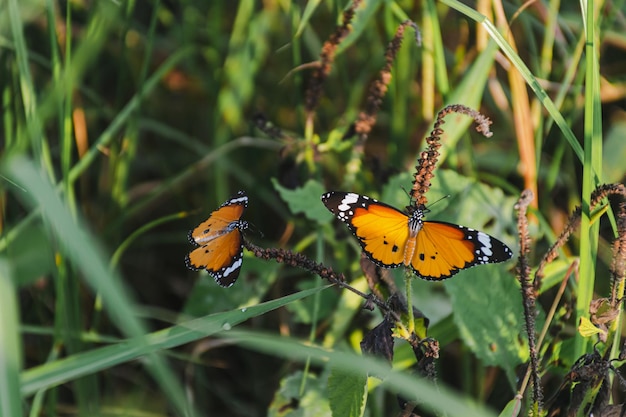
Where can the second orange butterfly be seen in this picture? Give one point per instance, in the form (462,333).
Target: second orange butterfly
(220,241)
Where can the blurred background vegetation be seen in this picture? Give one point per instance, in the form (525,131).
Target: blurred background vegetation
(144,118)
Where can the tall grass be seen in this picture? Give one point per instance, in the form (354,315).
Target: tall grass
(125,124)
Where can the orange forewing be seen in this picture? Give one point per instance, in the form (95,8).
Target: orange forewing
(217,224)
(218,254)
(383,232)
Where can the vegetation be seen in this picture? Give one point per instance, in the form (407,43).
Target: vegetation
(125,124)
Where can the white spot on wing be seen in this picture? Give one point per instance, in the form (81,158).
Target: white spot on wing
(486,247)
(232,268)
(348,201)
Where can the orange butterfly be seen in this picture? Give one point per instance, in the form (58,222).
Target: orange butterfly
(390,238)
(221,242)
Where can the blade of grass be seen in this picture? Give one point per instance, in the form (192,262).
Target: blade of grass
(67,320)
(123,116)
(34,124)
(592,166)
(524,71)
(119,189)
(66,369)
(97,308)
(10,346)
(469,92)
(434,397)
(105,138)
(520,104)
(82,250)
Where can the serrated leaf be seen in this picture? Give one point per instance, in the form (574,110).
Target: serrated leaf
(306,200)
(487,306)
(288,403)
(347,393)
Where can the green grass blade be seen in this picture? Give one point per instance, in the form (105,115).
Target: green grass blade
(116,125)
(81,249)
(10,346)
(592,164)
(431,396)
(66,369)
(524,71)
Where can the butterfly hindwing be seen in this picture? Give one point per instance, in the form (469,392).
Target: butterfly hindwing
(221,242)
(443,249)
(382,230)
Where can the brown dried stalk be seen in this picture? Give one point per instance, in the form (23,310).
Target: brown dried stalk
(378,88)
(428,158)
(600,193)
(528,293)
(327,57)
(618,266)
(299,260)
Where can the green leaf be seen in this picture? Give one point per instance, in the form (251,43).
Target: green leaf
(31,255)
(347,393)
(305,200)
(289,402)
(512,409)
(487,306)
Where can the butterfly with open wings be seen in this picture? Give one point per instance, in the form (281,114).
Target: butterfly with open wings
(390,238)
(220,242)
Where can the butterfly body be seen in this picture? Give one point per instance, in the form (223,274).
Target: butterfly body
(220,242)
(390,238)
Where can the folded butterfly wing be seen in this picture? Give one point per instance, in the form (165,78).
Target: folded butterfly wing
(221,242)
(221,257)
(383,233)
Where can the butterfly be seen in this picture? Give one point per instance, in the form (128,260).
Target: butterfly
(221,242)
(390,238)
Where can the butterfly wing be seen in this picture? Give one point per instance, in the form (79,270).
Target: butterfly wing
(221,257)
(220,221)
(221,242)
(382,230)
(443,249)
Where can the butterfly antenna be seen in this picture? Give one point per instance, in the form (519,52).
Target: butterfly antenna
(441,199)
(252,227)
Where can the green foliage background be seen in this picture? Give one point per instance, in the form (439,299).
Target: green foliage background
(124,124)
